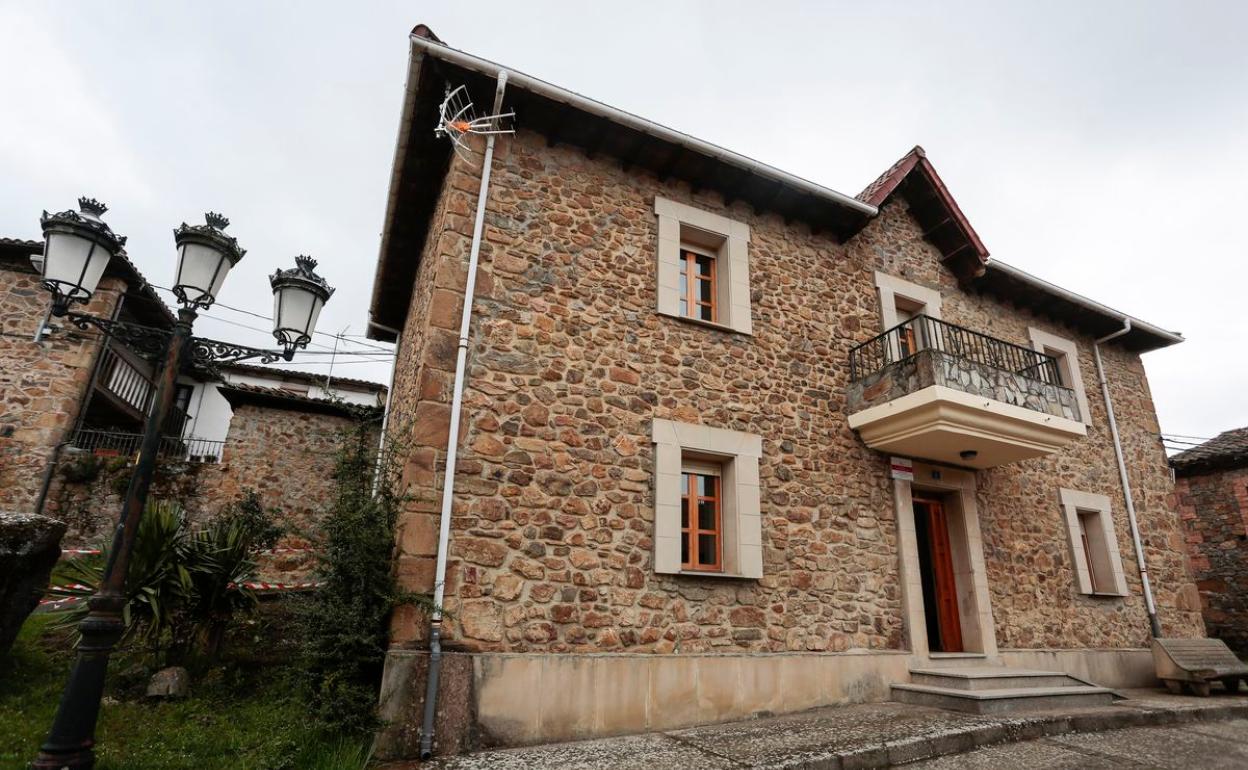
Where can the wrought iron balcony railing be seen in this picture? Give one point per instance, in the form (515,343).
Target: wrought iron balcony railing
(922,332)
(194,450)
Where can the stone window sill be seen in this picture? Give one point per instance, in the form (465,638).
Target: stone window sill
(1104,595)
(708,324)
(709,574)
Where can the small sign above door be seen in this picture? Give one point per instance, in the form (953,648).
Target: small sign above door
(902,468)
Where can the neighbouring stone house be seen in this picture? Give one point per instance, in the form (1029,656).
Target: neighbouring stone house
(732,442)
(1211,485)
(74,404)
(280,439)
(48,386)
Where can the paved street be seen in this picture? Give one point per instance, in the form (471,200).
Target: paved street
(1207,746)
(1148,728)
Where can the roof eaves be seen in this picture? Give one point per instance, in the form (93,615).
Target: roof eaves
(431,45)
(290,374)
(1170,337)
(239,393)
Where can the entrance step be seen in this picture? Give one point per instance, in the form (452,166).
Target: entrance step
(998,690)
(989,678)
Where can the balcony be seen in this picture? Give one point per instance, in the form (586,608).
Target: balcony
(935,391)
(108,443)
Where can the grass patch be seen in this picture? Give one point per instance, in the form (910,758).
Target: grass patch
(245,713)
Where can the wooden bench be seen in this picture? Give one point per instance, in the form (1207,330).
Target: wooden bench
(1195,663)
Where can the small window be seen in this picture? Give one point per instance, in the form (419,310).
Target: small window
(1093,544)
(701,521)
(703,267)
(1066,374)
(697,286)
(1087,520)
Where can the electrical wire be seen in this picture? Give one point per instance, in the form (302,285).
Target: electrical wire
(269,318)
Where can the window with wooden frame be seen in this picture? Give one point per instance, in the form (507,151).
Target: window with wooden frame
(697,286)
(1093,543)
(703,267)
(701,518)
(1087,520)
(707,501)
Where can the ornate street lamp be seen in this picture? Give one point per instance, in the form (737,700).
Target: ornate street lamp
(298,296)
(78,248)
(205,256)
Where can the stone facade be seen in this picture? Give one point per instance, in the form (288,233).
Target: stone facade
(1214,509)
(41,385)
(569,362)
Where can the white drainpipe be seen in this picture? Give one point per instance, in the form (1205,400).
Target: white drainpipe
(1153,623)
(452,441)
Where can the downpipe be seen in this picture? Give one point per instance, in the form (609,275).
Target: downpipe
(1153,623)
(452,442)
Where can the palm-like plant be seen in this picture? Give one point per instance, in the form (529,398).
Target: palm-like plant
(182,587)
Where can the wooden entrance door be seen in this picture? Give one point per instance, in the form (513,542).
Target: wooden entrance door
(940,589)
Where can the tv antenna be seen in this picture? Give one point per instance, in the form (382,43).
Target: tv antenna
(456,120)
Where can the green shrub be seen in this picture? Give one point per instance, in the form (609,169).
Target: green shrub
(346,621)
(253,517)
(81,469)
(183,586)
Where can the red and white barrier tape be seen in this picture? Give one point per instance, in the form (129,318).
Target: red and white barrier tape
(265,552)
(255,585)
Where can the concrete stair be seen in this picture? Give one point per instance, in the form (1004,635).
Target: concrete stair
(997,690)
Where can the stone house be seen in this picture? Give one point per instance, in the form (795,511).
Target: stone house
(50,389)
(732,442)
(1211,486)
(74,403)
(280,435)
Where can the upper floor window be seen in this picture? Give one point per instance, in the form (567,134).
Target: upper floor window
(1068,374)
(697,286)
(703,266)
(902,301)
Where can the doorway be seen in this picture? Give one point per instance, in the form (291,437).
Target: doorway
(937,576)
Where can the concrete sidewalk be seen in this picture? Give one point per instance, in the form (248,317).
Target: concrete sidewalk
(869,735)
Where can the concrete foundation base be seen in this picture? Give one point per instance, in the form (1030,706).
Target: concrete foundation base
(498,699)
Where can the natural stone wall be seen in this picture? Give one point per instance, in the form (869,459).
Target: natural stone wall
(931,367)
(41,385)
(1214,510)
(569,362)
(286,456)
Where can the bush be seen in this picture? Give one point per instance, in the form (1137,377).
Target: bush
(81,469)
(183,586)
(346,621)
(254,518)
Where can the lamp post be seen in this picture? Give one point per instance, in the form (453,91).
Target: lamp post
(77,250)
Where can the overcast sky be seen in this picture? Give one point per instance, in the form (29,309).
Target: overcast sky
(1101,146)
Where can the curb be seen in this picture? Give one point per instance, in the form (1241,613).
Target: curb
(909,750)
